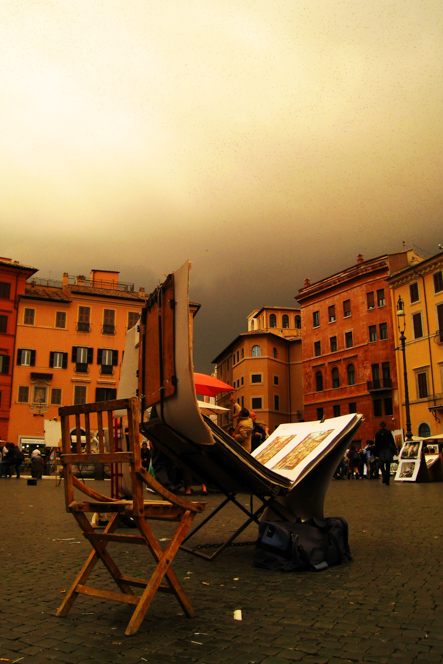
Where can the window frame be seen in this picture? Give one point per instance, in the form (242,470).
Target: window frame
(316,319)
(417,325)
(373,337)
(59,317)
(28,316)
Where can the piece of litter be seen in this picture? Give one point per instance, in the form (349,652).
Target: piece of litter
(237,614)
(187,577)
(116,643)
(197,642)
(17,660)
(236,578)
(205,583)
(164,539)
(63,539)
(200,634)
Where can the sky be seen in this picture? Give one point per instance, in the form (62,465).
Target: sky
(266,141)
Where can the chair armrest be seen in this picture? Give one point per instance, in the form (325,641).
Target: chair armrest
(167,495)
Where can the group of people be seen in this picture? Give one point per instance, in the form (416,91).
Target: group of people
(370,461)
(12,458)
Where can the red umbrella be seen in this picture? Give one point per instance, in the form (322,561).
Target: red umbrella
(210,386)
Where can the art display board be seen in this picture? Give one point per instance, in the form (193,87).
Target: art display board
(412,466)
(53,433)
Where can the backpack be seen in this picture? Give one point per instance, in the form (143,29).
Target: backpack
(312,545)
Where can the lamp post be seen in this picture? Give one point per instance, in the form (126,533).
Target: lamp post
(401,320)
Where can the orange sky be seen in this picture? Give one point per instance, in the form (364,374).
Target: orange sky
(266,141)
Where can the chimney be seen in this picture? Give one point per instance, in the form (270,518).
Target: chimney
(360,259)
(80,280)
(307,282)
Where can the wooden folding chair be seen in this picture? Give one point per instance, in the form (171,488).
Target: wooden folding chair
(171,509)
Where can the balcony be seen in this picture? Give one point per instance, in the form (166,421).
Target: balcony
(379,384)
(83,327)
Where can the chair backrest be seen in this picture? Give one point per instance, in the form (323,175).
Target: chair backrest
(97,420)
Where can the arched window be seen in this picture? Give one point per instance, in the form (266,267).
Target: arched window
(297,322)
(274,352)
(256,351)
(351,374)
(424,430)
(285,321)
(319,381)
(272,320)
(335,378)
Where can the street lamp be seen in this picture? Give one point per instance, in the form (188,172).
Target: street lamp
(401,320)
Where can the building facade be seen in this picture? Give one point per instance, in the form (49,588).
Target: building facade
(349,362)
(420,288)
(13,278)
(264,366)
(69,346)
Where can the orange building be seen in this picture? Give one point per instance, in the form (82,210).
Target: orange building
(264,366)
(349,362)
(420,288)
(13,278)
(69,346)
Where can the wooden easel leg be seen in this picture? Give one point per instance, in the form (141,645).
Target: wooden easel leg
(164,560)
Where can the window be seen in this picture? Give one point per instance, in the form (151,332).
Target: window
(274,352)
(319,381)
(29,316)
(82,356)
(348,340)
(440,320)
(60,319)
(352,407)
(333,342)
(383,327)
(346,308)
(238,356)
(56,396)
(26,357)
(256,378)
(335,378)
(108,359)
(381,302)
(438,282)
(227,364)
(413,292)
(133,317)
(424,430)
(256,351)
(386,372)
(388,406)
(336,411)
(4,364)
(23,394)
(275,380)
(79,394)
(105,394)
(58,360)
(350,370)
(272,320)
(83,324)
(316,318)
(256,403)
(422,385)
(320,413)
(242,380)
(285,323)
(370,300)
(5,290)
(297,322)
(317,348)
(375,368)
(378,408)
(372,333)
(243,352)
(109,321)
(331,314)
(3,324)
(417,325)
(276,402)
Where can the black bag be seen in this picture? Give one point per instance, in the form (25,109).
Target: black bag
(313,545)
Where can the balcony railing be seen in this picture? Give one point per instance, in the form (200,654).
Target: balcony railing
(379,384)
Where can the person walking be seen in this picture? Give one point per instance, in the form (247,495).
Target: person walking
(384,451)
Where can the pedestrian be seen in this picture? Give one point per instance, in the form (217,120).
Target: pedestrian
(145,454)
(243,428)
(258,432)
(384,451)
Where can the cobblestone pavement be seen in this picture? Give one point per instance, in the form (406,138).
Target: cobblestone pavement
(386,605)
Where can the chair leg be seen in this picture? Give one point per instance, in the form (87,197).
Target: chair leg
(99,553)
(164,559)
